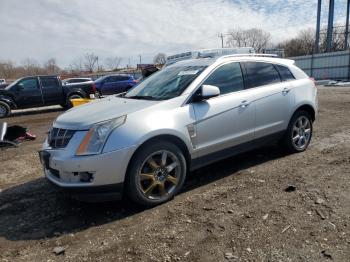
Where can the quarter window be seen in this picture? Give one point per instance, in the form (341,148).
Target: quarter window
(285,73)
(228,78)
(259,74)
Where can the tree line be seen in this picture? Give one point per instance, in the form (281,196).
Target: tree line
(302,44)
(87,63)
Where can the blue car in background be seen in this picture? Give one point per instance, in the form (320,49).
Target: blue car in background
(114,84)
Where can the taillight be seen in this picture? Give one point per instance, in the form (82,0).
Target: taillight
(313,80)
(94,88)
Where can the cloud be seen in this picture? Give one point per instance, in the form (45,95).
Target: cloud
(66,29)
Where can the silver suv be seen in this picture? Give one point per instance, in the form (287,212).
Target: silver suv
(186,116)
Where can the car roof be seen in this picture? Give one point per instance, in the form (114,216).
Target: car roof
(77,78)
(258,58)
(118,75)
(238,58)
(194,62)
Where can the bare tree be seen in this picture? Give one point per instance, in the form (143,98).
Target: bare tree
(160,59)
(254,37)
(51,67)
(338,39)
(302,44)
(77,65)
(91,62)
(7,69)
(32,67)
(113,63)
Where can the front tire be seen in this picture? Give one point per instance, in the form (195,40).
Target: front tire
(5,109)
(156,173)
(299,132)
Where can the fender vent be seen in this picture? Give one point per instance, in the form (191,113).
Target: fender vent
(59,138)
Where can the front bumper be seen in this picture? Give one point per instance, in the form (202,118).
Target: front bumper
(94,193)
(101,174)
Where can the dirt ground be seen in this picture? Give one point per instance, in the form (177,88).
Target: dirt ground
(234,210)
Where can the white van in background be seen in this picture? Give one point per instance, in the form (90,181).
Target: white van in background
(216,52)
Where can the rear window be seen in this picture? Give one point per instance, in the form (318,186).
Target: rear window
(47,82)
(285,73)
(259,74)
(123,78)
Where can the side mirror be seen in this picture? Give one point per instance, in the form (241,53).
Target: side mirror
(20,86)
(206,92)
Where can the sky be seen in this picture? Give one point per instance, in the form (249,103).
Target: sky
(68,29)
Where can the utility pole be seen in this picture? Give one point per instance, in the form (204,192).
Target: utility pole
(347,25)
(330,26)
(140,59)
(317,41)
(222,39)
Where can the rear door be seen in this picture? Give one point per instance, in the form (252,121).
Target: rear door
(226,120)
(124,84)
(110,85)
(274,97)
(28,93)
(52,90)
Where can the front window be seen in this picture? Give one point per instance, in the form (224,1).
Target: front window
(29,84)
(228,78)
(166,84)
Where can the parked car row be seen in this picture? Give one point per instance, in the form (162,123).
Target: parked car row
(37,91)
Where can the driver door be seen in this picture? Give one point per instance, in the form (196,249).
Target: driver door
(28,93)
(227,120)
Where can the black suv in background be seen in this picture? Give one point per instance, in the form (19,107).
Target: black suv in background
(37,91)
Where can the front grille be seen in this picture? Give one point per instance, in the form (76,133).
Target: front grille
(59,138)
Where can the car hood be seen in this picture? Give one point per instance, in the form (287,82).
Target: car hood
(82,117)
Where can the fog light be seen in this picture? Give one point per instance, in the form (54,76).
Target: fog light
(85,177)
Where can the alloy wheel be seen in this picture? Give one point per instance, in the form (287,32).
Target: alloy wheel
(301,132)
(159,175)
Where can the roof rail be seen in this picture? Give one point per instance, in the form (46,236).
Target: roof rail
(238,55)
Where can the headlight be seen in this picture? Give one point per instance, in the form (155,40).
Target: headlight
(97,135)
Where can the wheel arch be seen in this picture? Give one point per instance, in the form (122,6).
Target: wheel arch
(308,108)
(169,138)
(8,100)
(76,92)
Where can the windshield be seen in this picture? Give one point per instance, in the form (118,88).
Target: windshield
(100,79)
(12,84)
(166,84)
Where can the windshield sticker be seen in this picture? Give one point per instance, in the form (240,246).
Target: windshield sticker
(189,72)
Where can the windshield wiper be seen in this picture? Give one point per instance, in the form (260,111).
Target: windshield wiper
(141,97)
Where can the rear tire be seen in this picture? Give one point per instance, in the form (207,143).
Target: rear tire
(156,173)
(299,132)
(5,109)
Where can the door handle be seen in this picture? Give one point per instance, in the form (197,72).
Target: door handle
(244,104)
(285,90)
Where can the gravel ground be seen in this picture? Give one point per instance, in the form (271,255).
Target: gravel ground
(260,206)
